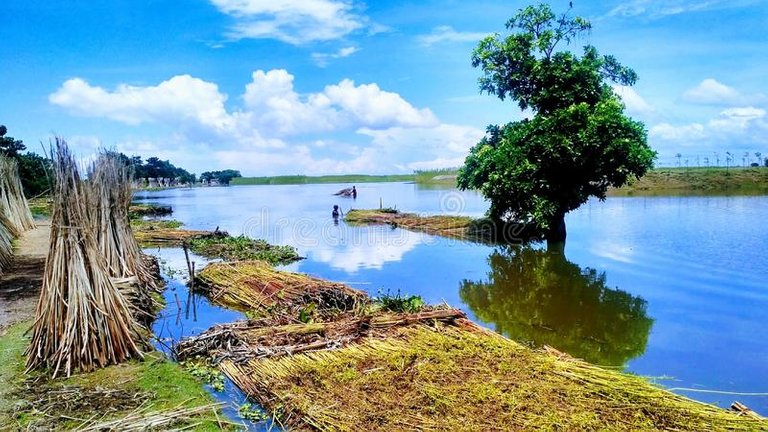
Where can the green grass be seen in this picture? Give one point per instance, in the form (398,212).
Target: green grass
(36,402)
(659,181)
(699,181)
(243,248)
(161,224)
(302,179)
(445,176)
(41,206)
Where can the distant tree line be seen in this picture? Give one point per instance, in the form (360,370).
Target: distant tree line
(36,171)
(155,168)
(223,177)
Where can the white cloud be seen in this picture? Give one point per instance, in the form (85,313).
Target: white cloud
(322,59)
(448,34)
(273,104)
(665,8)
(291,21)
(275,130)
(178,99)
(372,251)
(376,108)
(712,92)
(633,101)
(687,133)
(743,126)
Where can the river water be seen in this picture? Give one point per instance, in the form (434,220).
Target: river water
(672,288)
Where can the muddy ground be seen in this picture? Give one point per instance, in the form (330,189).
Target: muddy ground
(20,285)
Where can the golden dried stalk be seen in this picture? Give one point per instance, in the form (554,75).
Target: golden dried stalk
(15,217)
(82,321)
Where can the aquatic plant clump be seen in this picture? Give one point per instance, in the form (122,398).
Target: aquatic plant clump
(82,321)
(243,248)
(453,379)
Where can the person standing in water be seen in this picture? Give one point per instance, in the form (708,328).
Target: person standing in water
(354,193)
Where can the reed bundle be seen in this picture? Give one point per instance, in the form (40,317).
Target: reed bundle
(451,379)
(158,235)
(246,340)
(255,285)
(6,245)
(82,321)
(12,202)
(109,197)
(15,217)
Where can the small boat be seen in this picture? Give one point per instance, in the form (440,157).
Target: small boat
(348,192)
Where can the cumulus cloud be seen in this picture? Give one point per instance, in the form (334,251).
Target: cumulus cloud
(272,104)
(744,125)
(322,59)
(178,99)
(292,21)
(273,128)
(442,34)
(665,8)
(635,103)
(712,92)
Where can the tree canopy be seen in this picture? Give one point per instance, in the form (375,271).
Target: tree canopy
(578,141)
(223,177)
(34,170)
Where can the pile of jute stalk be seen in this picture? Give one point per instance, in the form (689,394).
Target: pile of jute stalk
(83,322)
(15,217)
(109,196)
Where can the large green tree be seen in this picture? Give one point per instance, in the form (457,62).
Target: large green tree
(577,142)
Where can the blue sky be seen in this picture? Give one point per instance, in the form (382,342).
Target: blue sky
(341,86)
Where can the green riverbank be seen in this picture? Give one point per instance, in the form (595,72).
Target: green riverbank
(662,181)
(302,179)
(153,391)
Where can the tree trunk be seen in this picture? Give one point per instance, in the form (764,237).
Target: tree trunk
(556,233)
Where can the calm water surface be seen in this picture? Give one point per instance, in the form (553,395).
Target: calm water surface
(670,288)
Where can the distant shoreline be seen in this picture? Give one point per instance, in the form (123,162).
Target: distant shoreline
(658,182)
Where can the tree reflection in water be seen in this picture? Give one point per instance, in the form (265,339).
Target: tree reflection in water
(536,296)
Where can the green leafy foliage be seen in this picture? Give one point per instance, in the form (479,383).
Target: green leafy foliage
(578,142)
(306,313)
(252,412)
(399,303)
(153,167)
(205,373)
(223,177)
(243,248)
(35,171)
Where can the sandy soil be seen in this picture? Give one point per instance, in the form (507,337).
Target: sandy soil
(20,286)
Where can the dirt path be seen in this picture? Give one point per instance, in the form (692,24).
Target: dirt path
(20,286)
